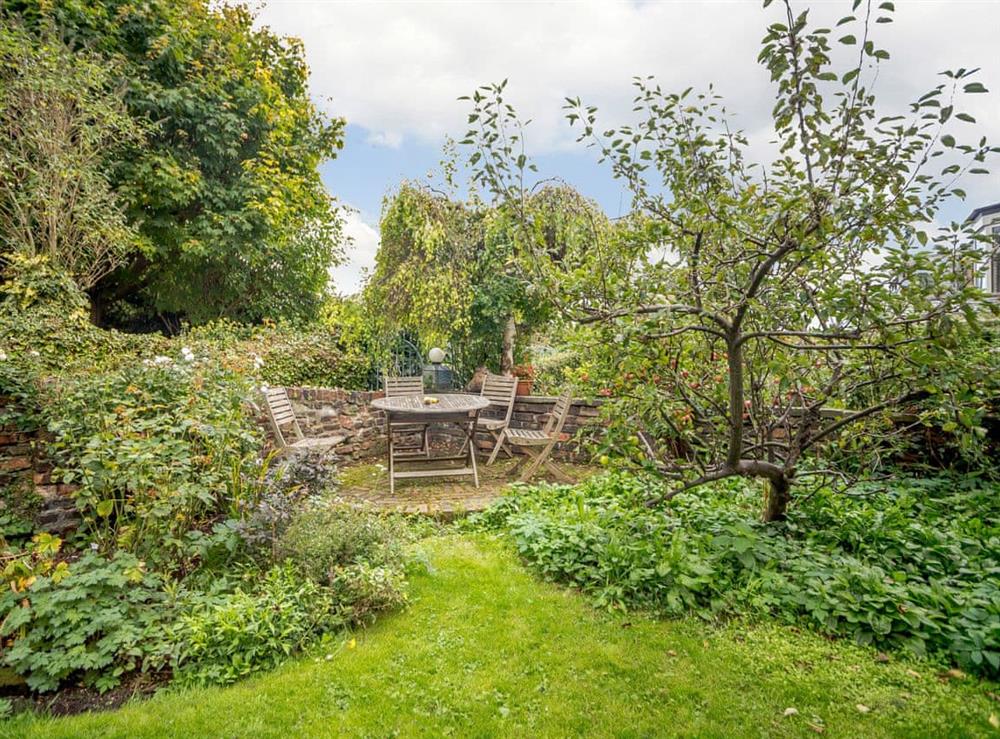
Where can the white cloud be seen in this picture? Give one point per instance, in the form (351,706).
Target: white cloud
(385,139)
(347,278)
(396,68)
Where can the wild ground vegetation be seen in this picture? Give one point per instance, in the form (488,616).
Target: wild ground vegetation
(793,322)
(908,565)
(180,562)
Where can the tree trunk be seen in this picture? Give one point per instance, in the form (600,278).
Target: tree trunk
(507,357)
(776,497)
(96,308)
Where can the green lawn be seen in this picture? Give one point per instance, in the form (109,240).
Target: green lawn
(487,650)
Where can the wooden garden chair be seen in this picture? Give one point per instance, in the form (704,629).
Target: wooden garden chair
(397,386)
(500,391)
(287,431)
(538,445)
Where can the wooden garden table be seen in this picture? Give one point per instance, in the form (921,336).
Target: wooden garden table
(460,410)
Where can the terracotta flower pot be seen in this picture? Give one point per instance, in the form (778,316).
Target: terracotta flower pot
(524,385)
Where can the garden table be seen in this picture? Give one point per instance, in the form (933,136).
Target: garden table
(460,410)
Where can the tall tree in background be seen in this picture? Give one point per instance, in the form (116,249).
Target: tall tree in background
(767,309)
(450,272)
(225,193)
(60,120)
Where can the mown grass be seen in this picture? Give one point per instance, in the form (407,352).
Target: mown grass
(487,650)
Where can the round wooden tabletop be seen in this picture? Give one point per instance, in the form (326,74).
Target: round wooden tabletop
(447,403)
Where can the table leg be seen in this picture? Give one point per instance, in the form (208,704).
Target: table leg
(471,434)
(392,467)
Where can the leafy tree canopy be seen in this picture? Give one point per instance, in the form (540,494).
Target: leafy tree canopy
(451,272)
(225,192)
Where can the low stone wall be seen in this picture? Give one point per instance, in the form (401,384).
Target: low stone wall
(25,473)
(348,413)
(333,412)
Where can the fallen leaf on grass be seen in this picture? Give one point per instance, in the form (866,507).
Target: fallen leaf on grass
(817,728)
(994,721)
(671,653)
(952,674)
(913,673)
(791,711)
(862,708)
(881,657)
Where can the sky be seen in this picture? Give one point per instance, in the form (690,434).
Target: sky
(395,70)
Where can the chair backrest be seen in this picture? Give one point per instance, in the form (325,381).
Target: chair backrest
(558,415)
(395,386)
(279,409)
(500,391)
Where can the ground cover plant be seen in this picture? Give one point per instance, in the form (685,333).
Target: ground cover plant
(911,565)
(485,649)
(98,619)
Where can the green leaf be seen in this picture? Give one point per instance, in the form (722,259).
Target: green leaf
(105,507)
(974,87)
(849,39)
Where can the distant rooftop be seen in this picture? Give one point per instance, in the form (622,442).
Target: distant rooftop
(986,210)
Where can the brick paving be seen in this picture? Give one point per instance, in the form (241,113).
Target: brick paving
(439,496)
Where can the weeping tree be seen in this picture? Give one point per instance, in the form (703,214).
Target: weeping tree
(451,273)
(752,314)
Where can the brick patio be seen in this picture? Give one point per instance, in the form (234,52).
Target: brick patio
(444,497)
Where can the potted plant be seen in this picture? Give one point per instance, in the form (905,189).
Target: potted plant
(525,375)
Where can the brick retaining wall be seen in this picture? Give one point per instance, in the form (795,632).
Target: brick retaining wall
(24,471)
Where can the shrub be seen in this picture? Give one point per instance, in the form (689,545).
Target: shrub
(251,629)
(283,353)
(323,539)
(909,566)
(45,316)
(271,494)
(360,591)
(152,448)
(89,621)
